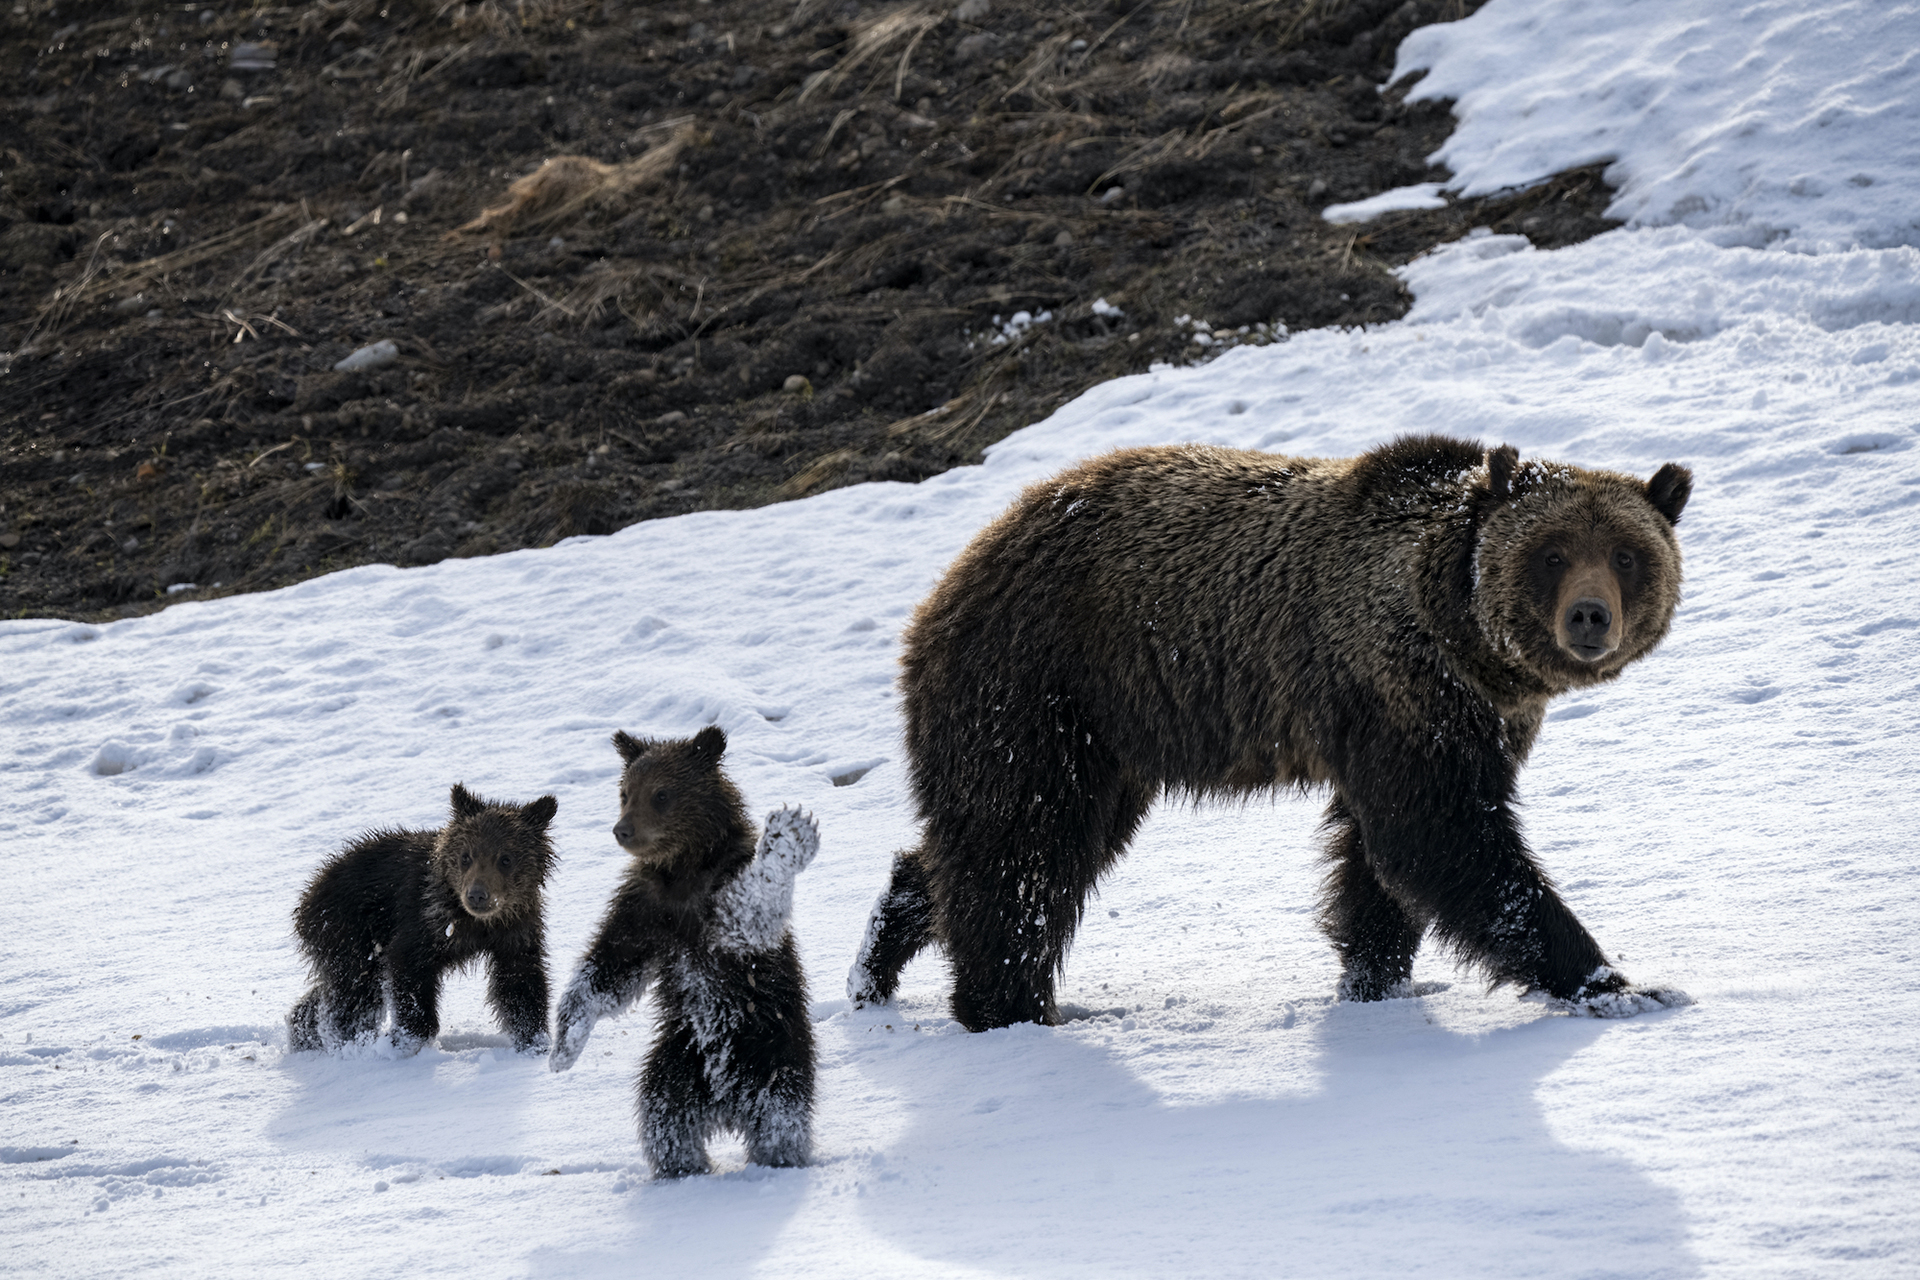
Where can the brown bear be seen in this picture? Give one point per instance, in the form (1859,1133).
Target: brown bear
(388,916)
(1215,622)
(701,915)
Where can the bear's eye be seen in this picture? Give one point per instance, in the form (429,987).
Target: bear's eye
(661,799)
(1554,560)
(506,864)
(466,860)
(1623,561)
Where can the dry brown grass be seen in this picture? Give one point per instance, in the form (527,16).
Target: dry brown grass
(566,186)
(870,39)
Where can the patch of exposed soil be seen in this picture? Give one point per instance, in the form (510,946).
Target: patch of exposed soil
(793,253)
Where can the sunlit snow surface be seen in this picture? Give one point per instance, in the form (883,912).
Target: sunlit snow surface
(1736,817)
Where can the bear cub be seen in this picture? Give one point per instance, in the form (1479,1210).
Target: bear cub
(701,914)
(386,917)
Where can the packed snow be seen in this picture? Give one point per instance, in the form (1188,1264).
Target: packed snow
(1733,817)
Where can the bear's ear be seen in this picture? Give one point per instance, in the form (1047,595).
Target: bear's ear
(629,747)
(538,813)
(465,803)
(710,742)
(1669,490)
(1500,465)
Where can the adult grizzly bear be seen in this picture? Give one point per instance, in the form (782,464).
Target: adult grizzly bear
(1218,622)
(390,914)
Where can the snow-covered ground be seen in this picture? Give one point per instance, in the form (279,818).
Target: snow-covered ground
(1735,816)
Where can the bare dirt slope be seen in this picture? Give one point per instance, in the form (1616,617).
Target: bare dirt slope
(781,248)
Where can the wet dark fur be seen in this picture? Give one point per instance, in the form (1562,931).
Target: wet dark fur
(1220,622)
(656,931)
(374,921)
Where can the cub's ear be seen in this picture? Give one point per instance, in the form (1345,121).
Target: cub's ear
(710,742)
(1500,465)
(629,747)
(465,803)
(1669,490)
(538,813)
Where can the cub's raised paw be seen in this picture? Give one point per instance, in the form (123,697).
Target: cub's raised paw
(791,838)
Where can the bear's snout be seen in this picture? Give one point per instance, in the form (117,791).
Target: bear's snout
(1590,629)
(623,832)
(478,900)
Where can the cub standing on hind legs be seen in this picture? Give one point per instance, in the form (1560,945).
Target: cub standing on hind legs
(394,910)
(702,914)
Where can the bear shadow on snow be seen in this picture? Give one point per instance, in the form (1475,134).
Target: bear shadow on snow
(1213,622)
(1437,1136)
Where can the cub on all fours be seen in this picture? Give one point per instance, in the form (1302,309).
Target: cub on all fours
(701,914)
(390,914)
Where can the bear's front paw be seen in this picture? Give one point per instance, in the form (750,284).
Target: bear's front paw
(791,838)
(537,1043)
(574,1023)
(1608,994)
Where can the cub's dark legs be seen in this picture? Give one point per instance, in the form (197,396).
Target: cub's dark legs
(900,926)
(416,998)
(1371,930)
(517,991)
(676,1104)
(344,1006)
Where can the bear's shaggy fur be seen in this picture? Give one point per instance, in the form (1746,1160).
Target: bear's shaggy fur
(1216,622)
(701,914)
(387,916)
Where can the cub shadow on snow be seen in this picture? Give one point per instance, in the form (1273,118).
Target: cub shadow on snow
(415,1111)
(1031,1134)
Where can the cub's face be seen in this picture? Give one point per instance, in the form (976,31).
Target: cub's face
(1579,571)
(494,856)
(673,797)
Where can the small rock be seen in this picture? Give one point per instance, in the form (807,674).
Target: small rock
(797,384)
(9,540)
(1111,194)
(1062,240)
(893,204)
(230,88)
(251,55)
(670,417)
(1316,188)
(1077,46)
(718,98)
(377,355)
(974,47)
(972,10)
(180,81)
(706,213)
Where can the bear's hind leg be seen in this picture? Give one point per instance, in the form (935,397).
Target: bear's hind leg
(677,1112)
(303,1023)
(900,926)
(778,1126)
(350,1001)
(1009,916)
(1371,930)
